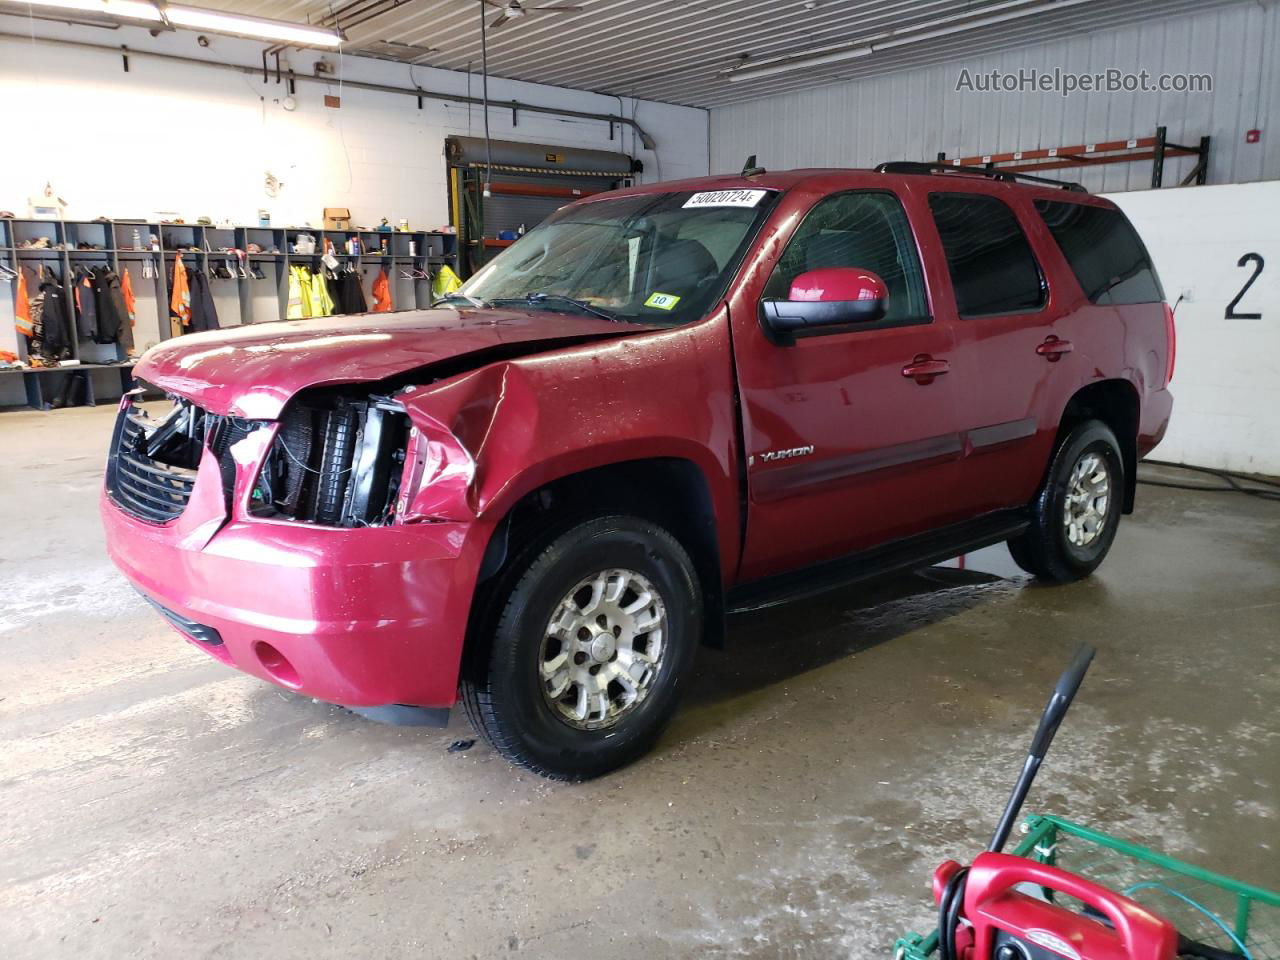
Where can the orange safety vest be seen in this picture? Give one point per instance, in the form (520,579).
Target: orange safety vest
(381,293)
(22,316)
(126,291)
(180,302)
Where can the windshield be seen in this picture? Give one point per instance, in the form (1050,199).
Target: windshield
(654,258)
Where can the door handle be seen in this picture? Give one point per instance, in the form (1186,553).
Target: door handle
(1053,349)
(923,369)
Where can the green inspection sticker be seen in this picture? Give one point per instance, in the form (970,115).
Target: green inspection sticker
(662,301)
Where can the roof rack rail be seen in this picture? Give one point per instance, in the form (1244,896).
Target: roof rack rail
(913,166)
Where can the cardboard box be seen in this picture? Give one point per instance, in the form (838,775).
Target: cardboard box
(337,218)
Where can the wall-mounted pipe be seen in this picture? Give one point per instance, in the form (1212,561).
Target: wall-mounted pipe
(645,139)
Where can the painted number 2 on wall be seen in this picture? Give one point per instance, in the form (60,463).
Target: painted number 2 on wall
(1258,264)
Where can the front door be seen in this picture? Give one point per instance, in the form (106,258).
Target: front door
(852,438)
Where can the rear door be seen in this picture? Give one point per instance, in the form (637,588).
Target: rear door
(1002,307)
(845,448)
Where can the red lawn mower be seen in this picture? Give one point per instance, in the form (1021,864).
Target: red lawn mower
(1026,906)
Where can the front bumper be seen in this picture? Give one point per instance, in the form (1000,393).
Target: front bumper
(360,617)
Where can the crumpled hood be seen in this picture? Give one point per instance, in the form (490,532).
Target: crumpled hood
(253,370)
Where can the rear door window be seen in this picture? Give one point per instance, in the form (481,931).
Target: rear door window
(1104,251)
(989,258)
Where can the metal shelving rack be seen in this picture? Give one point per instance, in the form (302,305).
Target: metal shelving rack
(1156,149)
(122,244)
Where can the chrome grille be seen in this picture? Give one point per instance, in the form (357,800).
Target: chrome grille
(146,488)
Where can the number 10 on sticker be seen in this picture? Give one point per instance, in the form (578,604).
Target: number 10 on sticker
(662,301)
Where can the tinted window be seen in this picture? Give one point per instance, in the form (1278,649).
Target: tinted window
(858,229)
(991,264)
(1104,251)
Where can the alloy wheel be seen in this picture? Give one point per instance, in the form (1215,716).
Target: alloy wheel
(1088,496)
(603,649)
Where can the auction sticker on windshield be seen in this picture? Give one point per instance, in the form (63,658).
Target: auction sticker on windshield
(662,301)
(726,198)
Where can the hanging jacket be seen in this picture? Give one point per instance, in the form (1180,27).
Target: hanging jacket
(382,293)
(299,305)
(55,320)
(351,293)
(106,326)
(130,301)
(180,300)
(86,306)
(113,316)
(22,310)
(333,290)
(204,315)
(444,283)
(318,294)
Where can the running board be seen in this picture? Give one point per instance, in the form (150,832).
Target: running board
(909,553)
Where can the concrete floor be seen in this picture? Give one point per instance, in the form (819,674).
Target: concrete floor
(157,803)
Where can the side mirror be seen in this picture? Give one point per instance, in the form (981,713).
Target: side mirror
(823,301)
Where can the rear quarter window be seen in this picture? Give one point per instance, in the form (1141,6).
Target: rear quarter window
(1104,252)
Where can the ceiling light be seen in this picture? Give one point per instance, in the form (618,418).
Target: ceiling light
(757,71)
(195,18)
(251,26)
(126,9)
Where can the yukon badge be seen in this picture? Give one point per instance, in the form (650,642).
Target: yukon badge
(771,455)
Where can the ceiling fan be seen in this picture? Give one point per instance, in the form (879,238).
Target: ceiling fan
(514,10)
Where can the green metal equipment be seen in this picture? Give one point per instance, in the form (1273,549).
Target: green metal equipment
(1211,908)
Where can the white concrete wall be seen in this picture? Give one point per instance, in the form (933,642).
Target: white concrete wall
(913,114)
(171,136)
(1226,384)
(198,140)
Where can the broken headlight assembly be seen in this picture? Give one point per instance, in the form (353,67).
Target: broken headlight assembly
(336,461)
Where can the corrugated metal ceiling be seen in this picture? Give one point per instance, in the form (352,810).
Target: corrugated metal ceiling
(677,51)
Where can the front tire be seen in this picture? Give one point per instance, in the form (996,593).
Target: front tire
(1076,512)
(592,639)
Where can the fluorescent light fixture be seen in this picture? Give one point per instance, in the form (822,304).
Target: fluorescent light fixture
(898,37)
(194,18)
(126,9)
(756,71)
(218,22)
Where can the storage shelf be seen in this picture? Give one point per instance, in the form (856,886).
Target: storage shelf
(242,300)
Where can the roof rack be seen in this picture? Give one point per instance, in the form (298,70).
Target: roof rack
(1008,176)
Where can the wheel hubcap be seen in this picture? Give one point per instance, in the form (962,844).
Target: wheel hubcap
(603,649)
(1084,512)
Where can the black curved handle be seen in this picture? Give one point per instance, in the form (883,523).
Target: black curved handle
(1064,691)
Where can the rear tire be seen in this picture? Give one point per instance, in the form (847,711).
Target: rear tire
(592,636)
(1076,512)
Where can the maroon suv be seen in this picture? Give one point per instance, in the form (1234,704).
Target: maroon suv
(661,405)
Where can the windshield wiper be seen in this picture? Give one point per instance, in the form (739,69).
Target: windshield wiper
(536,298)
(472,301)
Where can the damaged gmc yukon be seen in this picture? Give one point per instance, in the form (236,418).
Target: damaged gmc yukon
(662,405)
